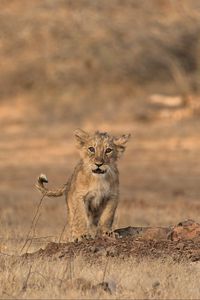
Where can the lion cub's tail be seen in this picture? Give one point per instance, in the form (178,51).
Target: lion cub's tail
(54,193)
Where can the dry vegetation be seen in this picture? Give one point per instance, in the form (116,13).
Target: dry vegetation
(77,279)
(120,66)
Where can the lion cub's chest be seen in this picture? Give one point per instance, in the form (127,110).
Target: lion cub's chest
(99,191)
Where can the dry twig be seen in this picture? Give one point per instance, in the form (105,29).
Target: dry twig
(25,284)
(33,223)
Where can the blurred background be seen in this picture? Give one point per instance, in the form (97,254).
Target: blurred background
(128,66)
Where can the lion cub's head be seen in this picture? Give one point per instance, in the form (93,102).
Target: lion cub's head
(100,150)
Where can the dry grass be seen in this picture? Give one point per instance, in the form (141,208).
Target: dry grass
(68,64)
(77,279)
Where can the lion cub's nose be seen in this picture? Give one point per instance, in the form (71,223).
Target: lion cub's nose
(98,164)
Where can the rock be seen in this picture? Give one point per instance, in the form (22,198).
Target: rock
(157,233)
(167,101)
(155,284)
(111,251)
(102,286)
(148,233)
(186,230)
(180,246)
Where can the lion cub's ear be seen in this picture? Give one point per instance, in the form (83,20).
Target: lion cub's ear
(120,143)
(81,137)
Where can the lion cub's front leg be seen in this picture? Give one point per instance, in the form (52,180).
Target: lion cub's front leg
(77,218)
(92,214)
(107,216)
(100,213)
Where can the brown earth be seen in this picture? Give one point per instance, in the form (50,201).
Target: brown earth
(181,242)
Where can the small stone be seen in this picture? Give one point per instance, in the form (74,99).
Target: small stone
(104,286)
(94,249)
(156,284)
(111,251)
(180,246)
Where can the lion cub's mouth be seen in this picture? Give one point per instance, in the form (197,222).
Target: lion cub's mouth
(99,171)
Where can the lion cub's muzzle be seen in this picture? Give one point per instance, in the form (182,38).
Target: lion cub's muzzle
(99,170)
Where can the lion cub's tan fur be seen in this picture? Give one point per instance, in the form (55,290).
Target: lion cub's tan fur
(93,189)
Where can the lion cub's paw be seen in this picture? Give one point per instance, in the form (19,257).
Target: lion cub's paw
(111,234)
(83,237)
(108,233)
(87,237)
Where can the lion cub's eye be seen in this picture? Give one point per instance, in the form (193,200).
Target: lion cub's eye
(108,150)
(91,149)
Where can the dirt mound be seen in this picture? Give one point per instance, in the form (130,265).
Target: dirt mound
(181,242)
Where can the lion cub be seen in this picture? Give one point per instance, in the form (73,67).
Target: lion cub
(93,189)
